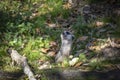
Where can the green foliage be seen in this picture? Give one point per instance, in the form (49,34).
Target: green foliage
(32,48)
(82,57)
(95,64)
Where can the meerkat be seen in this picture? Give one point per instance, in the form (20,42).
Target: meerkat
(65,49)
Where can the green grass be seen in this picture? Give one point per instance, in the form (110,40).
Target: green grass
(19,30)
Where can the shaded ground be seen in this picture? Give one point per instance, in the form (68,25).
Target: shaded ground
(10,75)
(67,74)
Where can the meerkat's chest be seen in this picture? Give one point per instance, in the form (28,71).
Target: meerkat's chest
(65,49)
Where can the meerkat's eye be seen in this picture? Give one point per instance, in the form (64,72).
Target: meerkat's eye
(67,33)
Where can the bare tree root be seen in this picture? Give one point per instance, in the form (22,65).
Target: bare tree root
(22,61)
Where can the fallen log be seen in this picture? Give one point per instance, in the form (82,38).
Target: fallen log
(4,75)
(22,61)
(76,74)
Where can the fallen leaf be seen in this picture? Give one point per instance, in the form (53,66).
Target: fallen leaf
(78,64)
(99,24)
(46,65)
(44,50)
(83,38)
(67,6)
(53,43)
(51,53)
(96,48)
(51,25)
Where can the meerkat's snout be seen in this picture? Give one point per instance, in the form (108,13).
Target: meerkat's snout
(64,52)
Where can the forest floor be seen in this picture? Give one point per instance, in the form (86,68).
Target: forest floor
(34,31)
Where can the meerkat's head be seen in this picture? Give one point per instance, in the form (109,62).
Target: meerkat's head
(67,36)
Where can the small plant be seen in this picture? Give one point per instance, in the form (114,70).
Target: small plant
(65,63)
(95,64)
(82,57)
